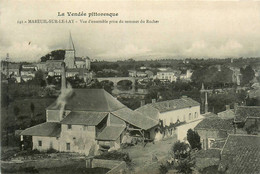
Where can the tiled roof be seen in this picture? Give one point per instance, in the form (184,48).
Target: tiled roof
(84,118)
(241,154)
(169,105)
(135,118)
(227,114)
(48,129)
(244,112)
(110,133)
(97,100)
(215,124)
(149,111)
(210,153)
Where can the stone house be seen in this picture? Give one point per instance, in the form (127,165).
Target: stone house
(90,119)
(13,68)
(173,112)
(214,130)
(240,154)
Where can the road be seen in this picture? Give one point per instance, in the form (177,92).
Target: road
(142,156)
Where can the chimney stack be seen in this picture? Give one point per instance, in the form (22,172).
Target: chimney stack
(142,103)
(153,100)
(227,107)
(63,77)
(206,102)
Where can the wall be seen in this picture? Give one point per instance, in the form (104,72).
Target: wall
(181,114)
(80,137)
(120,168)
(47,143)
(109,164)
(182,129)
(41,163)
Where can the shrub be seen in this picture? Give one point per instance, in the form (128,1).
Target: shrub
(194,139)
(28,152)
(163,169)
(184,167)
(180,149)
(51,150)
(114,155)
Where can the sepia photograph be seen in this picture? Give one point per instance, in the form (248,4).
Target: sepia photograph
(130,87)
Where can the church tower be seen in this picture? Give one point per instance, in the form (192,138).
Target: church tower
(70,54)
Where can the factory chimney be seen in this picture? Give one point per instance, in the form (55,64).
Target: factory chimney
(63,77)
(206,102)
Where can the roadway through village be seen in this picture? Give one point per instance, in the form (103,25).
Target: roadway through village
(142,156)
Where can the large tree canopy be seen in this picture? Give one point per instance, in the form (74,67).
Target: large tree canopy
(248,74)
(54,55)
(213,75)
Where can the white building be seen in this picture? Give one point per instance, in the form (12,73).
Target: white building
(166,75)
(169,113)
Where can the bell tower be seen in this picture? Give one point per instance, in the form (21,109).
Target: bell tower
(70,54)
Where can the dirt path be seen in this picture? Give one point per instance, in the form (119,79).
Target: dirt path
(142,156)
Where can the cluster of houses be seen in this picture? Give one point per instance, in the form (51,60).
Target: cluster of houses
(230,140)
(76,66)
(92,120)
(163,74)
(88,121)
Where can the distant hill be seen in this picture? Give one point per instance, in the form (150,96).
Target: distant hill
(54,55)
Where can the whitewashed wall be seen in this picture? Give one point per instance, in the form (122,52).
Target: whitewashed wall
(47,143)
(81,139)
(181,114)
(182,129)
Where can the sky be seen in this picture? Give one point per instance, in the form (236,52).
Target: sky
(198,29)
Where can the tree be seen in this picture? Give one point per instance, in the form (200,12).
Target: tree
(16,111)
(39,78)
(248,74)
(194,139)
(180,149)
(55,55)
(184,167)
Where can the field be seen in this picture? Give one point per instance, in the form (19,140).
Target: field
(19,114)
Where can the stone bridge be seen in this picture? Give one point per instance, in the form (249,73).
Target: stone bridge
(115,80)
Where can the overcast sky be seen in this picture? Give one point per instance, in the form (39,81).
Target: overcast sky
(185,29)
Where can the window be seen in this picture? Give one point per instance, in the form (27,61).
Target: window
(68,146)
(40,143)
(196,115)
(69,126)
(190,116)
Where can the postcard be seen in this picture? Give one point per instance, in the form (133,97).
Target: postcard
(130,86)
